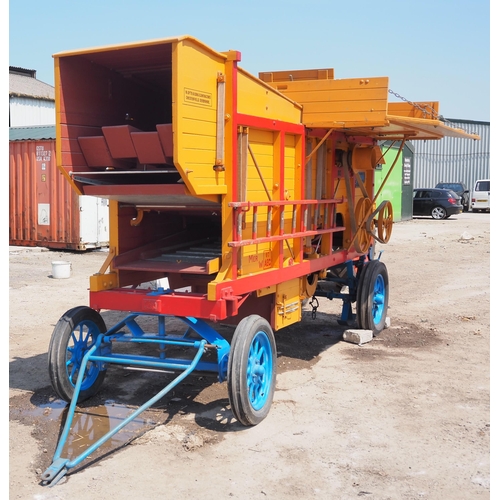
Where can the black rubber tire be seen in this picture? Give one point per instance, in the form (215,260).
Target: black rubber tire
(359,304)
(373,297)
(75,333)
(253,332)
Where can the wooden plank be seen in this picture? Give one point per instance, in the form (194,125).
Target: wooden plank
(297,75)
(119,141)
(96,152)
(415,110)
(148,147)
(167,267)
(165,134)
(350,101)
(312,86)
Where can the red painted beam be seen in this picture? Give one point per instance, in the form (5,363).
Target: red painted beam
(176,304)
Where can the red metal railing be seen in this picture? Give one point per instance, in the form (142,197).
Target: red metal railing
(305,221)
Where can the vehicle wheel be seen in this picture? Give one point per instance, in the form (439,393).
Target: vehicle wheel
(373,297)
(438,213)
(360,307)
(251,370)
(75,333)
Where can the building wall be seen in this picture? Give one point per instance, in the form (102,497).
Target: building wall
(25,111)
(393,180)
(451,159)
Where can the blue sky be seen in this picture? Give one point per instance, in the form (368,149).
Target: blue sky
(437,50)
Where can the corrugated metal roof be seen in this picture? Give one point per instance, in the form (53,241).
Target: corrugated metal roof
(45,132)
(25,86)
(22,71)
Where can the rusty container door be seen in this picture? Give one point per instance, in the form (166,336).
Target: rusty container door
(43,209)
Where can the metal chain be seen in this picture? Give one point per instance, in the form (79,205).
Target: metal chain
(424,110)
(315,304)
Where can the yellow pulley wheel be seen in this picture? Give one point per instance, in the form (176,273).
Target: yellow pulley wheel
(385,221)
(364,225)
(310,282)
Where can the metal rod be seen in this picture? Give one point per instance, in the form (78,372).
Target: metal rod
(221,101)
(259,172)
(142,408)
(319,144)
(117,172)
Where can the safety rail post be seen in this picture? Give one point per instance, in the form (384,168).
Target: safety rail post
(254,223)
(269,221)
(301,226)
(294,219)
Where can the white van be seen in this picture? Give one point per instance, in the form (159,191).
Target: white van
(481,196)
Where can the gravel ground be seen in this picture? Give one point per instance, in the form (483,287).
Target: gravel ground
(406,416)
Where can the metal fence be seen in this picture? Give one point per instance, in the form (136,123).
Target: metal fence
(451,159)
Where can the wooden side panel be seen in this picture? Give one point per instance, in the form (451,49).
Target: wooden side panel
(195,71)
(291,169)
(415,110)
(276,158)
(288,304)
(261,142)
(257,99)
(255,257)
(296,75)
(339,103)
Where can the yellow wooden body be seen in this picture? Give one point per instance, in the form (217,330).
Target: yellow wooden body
(284,137)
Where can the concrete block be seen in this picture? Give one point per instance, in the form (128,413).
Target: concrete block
(358,336)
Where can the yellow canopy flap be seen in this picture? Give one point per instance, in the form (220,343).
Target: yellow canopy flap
(399,128)
(360,106)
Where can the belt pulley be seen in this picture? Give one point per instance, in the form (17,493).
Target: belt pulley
(384,221)
(372,223)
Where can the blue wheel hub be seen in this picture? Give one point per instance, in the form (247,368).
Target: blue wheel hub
(259,370)
(378,299)
(83,338)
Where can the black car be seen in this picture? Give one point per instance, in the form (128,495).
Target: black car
(438,203)
(460,188)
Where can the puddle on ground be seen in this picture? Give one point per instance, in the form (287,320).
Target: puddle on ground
(91,424)
(52,408)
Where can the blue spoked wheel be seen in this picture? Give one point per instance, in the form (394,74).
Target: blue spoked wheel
(75,333)
(251,371)
(372,296)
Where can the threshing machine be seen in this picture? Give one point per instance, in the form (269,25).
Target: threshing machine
(249,195)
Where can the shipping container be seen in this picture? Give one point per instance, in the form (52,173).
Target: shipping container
(43,209)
